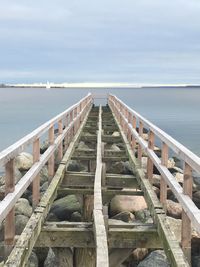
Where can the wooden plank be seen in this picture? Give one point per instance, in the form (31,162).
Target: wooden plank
(19,146)
(141,237)
(100,236)
(106,191)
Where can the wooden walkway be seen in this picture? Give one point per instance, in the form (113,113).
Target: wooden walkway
(96,240)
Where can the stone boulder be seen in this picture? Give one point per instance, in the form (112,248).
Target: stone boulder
(156,258)
(156,180)
(124,216)
(114,147)
(76,166)
(18,176)
(20,223)
(144,163)
(82,145)
(51,260)
(179,177)
(174,209)
(115,134)
(196,198)
(33,260)
(139,254)
(24,161)
(64,207)
(44,146)
(44,176)
(131,204)
(143,215)
(171,163)
(120,167)
(23,207)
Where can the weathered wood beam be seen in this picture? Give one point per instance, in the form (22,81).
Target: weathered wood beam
(105,191)
(87,179)
(100,236)
(80,235)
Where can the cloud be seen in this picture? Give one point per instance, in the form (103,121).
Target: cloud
(112,40)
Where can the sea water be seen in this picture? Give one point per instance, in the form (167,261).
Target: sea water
(175,110)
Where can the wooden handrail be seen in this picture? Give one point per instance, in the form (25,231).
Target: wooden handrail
(184,153)
(190,212)
(14,192)
(13,150)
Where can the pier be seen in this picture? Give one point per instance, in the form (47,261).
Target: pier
(96,239)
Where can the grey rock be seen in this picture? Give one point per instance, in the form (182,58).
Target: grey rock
(24,161)
(75,166)
(44,146)
(76,217)
(174,209)
(114,147)
(20,223)
(143,215)
(33,260)
(121,203)
(41,255)
(82,145)
(156,258)
(23,207)
(121,167)
(124,216)
(115,134)
(196,261)
(44,175)
(44,187)
(51,259)
(64,207)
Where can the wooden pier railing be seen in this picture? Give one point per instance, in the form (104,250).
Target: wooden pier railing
(129,119)
(68,122)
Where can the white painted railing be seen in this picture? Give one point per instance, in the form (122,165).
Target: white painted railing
(68,123)
(129,119)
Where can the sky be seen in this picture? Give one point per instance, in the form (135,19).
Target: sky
(136,41)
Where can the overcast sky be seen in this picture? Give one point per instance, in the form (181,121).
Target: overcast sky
(139,41)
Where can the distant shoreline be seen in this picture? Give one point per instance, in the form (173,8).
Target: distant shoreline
(95,86)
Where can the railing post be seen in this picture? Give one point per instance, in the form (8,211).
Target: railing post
(36,181)
(60,147)
(139,146)
(163,184)
(9,230)
(151,141)
(186,223)
(129,131)
(134,122)
(51,159)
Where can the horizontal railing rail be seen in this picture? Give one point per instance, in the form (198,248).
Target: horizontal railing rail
(129,119)
(13,150)
(68,123)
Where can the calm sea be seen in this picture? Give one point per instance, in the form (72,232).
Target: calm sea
(175,110)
